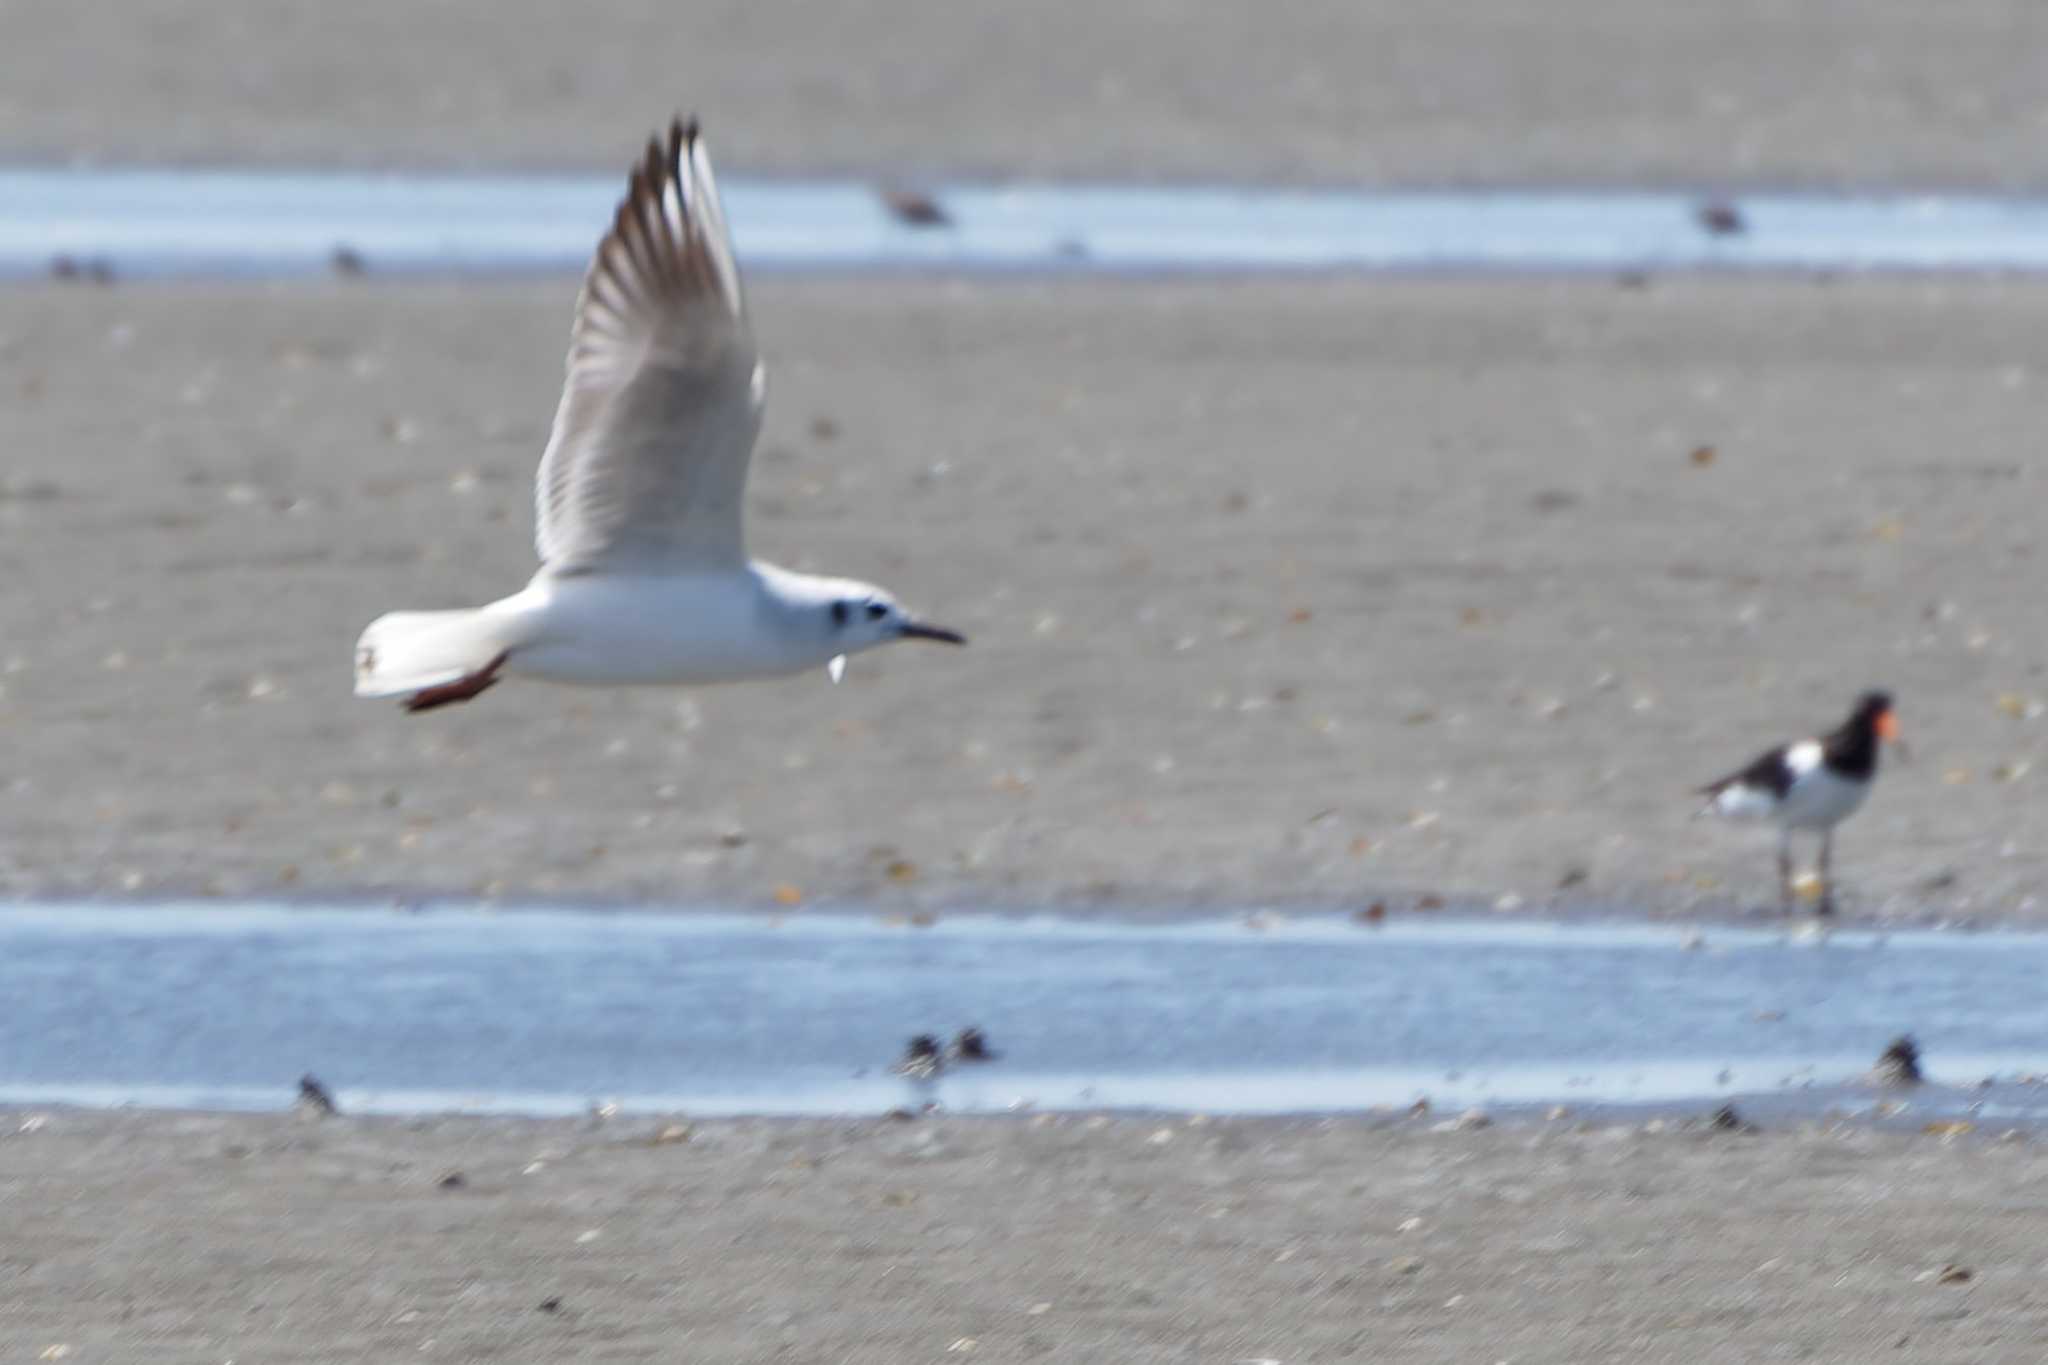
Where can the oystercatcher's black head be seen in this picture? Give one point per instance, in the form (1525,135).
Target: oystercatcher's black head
(1852,750)
(1874,712)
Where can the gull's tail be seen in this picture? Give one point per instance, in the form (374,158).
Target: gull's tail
(407,652)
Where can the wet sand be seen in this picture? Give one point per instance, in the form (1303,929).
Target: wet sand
(1845,92)
(1300,593)
(136,1236)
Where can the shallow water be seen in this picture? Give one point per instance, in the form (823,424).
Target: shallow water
(538,1012)
(141,223)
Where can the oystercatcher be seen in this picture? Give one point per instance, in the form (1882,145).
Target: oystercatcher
(1811,784)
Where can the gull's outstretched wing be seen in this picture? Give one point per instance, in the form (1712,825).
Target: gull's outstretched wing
(647,462)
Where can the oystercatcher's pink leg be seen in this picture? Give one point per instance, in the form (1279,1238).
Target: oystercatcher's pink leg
(462,689)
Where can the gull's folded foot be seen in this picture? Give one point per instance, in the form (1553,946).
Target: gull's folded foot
(462,689)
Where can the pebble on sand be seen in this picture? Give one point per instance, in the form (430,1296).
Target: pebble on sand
(1727,1119)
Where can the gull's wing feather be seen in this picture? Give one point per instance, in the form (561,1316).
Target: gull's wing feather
(648,457)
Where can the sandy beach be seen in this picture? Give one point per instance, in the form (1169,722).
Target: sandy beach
(1302,593)
(202,1238)
(1299,593)
(1856,93)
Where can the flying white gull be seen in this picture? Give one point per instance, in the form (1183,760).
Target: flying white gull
(644,574)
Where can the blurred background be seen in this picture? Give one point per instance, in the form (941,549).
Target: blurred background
(1840,93)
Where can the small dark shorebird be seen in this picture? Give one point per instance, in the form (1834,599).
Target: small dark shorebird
(1811,784)
(922,1060)
(1899,1064)
(314,1099)
(971,1045)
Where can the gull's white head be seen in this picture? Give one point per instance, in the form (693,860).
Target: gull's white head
(855,616)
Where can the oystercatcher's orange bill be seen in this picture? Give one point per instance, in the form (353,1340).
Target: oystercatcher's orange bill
(1888,726)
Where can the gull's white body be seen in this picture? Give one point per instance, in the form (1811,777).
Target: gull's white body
(699,626)
(644,575)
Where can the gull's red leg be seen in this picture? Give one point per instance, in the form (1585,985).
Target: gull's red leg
(462,689)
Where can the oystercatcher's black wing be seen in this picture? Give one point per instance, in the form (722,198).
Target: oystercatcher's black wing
(1768,772)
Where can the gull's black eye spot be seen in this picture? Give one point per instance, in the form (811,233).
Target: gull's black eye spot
(840,611)
(876,611)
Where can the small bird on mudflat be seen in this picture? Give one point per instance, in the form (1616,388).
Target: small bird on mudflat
(1812,785)
(644,574)
(314,1099)
(1898,1064)
(971,1045)
(923,1059)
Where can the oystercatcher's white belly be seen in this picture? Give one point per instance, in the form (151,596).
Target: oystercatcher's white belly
(1821,798)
